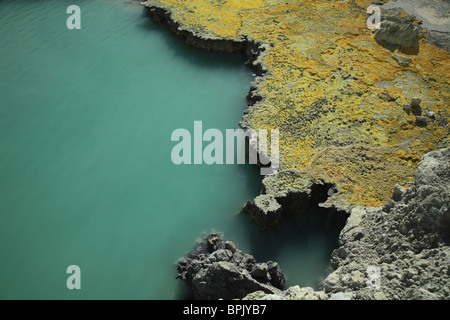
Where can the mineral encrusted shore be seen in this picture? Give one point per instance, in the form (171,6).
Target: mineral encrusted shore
(335,89)
(345,101)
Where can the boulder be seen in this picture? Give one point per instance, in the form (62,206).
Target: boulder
(216,269)
(398,31)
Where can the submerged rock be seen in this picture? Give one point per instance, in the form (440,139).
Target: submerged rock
(216,269)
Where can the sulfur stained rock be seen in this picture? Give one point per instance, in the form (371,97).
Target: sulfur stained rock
(398,34)
(407,108)
(318,65)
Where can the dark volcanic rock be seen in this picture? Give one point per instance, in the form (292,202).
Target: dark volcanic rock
(216,269)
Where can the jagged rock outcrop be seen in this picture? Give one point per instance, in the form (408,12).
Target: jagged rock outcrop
(405,242)
(289,193)
(400,250)
(433,17)
(216,269)
(159,12)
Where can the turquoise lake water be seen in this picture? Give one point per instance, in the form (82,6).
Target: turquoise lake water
(86,176)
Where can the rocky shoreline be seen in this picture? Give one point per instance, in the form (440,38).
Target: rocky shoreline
(375,144)
(268,209)
(338,128)
(399,251)
(252,49)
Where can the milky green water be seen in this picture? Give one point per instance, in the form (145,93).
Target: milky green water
(86,177)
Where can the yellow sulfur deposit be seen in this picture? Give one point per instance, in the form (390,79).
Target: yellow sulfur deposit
(334,93)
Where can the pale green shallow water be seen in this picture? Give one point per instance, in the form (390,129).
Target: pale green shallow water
(86,177)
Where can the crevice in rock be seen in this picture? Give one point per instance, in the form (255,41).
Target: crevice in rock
(267,210)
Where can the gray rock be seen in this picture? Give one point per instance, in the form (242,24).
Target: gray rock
(292,293)
(433,15)
(406,241)
(407,108)
(400,251)
(415,102)
(431,115)
(398,192)
(421,120)
(265,211)
(398,33)
(215,269)
(307,293)
(419,294)
(259,271)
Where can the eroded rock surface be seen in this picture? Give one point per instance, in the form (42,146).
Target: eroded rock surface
(400,250)
(406,241)
(398,31)
(216,269)
(433,15)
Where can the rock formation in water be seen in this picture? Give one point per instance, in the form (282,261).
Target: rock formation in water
(216,269)
(400,250)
